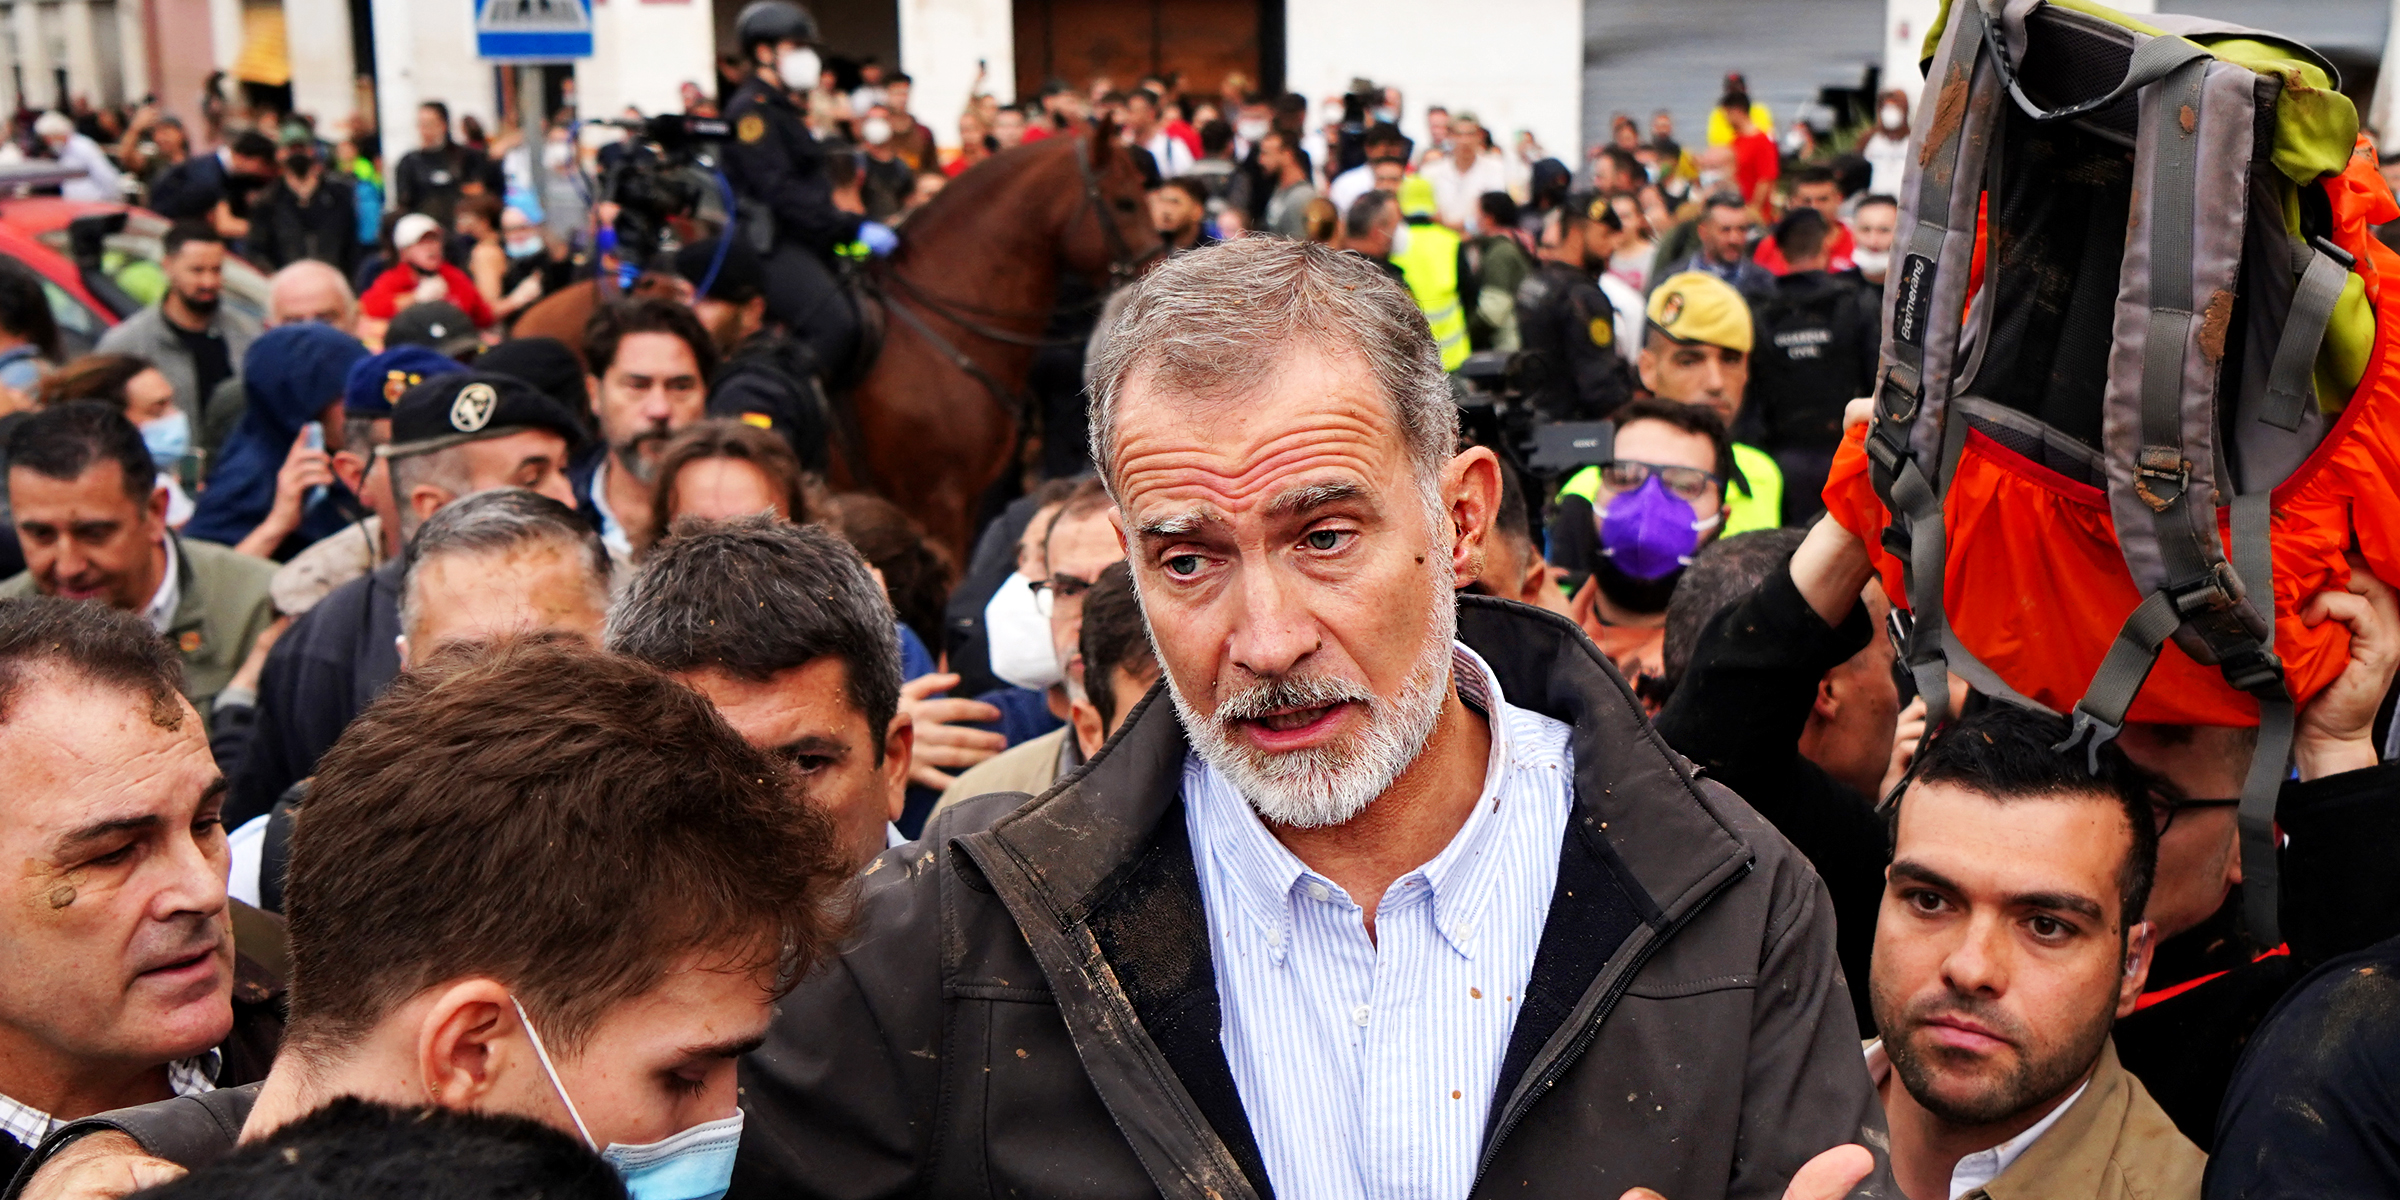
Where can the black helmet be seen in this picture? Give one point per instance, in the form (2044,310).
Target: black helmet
(770,21)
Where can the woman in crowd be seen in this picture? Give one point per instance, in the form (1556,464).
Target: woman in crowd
(724,468)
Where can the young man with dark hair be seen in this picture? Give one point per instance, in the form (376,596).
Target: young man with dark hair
(214,190)
(1723,232)
(784,629)
(123,984)
(649,362)
(1178,208)
(2011,939)
(619,891)
(189,335)
(431,178)
(1119,668)
(1815,187)
(1816,348)
(1626,529)
(91,515)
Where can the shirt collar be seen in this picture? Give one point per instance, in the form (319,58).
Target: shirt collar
(1266,874)
(169,596)
(612,532)
(185,1077)
(1983,1166)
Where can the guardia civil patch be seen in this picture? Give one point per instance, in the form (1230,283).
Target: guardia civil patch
(1604,332)
(751,128)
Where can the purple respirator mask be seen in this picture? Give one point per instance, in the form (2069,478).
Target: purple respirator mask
(1650,532)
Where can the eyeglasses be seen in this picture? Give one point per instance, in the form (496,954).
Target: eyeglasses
(1048,592)
(1691,483)
(2164,807)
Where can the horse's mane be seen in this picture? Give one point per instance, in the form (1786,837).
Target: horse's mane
(974,189)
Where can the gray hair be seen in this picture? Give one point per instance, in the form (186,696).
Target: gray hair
(1366,213)
(1213,321)
(500,521)
(445,469)
(755,596)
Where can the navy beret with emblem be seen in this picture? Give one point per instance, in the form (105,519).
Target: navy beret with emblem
(467,406)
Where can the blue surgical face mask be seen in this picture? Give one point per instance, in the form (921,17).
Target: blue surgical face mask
(1650,532)
(169,438)
(695,1164)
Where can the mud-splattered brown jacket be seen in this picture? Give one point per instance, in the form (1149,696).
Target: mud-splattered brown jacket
(1029,1006)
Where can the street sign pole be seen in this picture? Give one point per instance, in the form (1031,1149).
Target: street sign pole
(531,33)
(530,119)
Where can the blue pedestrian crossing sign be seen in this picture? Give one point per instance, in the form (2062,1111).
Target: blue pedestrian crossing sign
(533,30)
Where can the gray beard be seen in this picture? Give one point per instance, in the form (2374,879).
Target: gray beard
(1328,785)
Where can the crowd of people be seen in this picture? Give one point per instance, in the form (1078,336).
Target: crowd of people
(454,762)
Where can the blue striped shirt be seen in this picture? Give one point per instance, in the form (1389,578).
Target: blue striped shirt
(1366,1067)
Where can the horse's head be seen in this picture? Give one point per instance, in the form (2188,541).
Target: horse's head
(1108,237)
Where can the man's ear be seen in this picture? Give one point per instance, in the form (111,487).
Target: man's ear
(1471,488)
(591,387)
(1090,730)
(1827,706)
(425,500)
(459,1043)
(1645,365)
(2140,941)
(899,755)
(155,508)
(351,469)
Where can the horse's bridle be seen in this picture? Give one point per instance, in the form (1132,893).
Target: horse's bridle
(1123,264)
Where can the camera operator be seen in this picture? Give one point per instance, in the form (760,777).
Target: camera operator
(778,173)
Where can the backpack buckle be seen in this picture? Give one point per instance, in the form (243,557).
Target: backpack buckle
(2091,733)
(2211,593)
(2162,465)
(2252,668)
(2326,247)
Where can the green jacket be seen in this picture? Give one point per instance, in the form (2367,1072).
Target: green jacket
(222,610)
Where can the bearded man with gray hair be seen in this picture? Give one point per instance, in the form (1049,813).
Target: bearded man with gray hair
(1396,896)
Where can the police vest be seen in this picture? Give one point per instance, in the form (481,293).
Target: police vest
(1430,265)
(1747,509)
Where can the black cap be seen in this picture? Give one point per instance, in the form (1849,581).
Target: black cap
(740,279)
(437,323)
(450,410)
(546,363)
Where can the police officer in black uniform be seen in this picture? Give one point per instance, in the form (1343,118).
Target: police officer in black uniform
(785,201)
(1571,366)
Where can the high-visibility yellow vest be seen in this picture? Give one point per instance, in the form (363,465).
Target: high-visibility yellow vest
(1430,265)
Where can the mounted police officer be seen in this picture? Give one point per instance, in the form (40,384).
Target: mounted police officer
(777,169)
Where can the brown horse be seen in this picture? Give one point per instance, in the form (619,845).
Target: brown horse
(964,303)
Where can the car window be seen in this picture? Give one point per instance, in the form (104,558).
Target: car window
(78,326)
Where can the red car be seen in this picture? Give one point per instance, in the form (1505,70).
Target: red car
(98,262)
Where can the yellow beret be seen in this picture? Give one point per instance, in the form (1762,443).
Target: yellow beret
(1697,307)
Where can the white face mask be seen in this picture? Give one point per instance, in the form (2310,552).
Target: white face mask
(1400,240)
(1252,129)
(875,130)
(1893,116)
(799,68)
(1871,263)
(1018,636)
